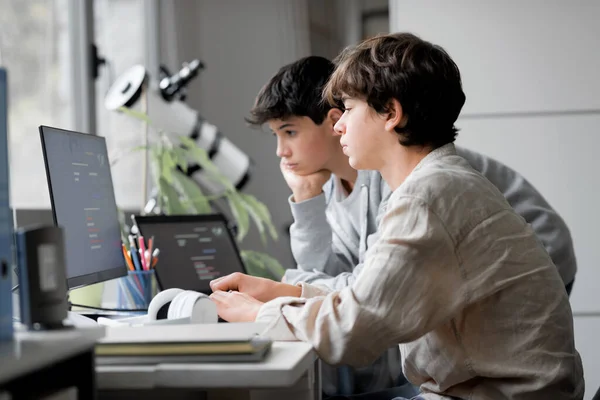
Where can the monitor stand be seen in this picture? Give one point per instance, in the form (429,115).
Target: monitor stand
(95,314)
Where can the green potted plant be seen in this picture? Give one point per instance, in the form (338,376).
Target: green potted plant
(177,193)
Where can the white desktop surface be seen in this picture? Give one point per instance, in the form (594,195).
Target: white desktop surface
(30,351)
(283,367)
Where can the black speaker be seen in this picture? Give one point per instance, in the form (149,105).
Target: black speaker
(42,277)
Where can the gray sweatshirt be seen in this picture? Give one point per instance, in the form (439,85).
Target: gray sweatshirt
(331,233)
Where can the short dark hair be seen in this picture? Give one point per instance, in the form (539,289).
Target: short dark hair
(294,91)
(401,66)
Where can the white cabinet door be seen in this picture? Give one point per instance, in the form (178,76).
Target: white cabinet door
(514,56)
(587,331)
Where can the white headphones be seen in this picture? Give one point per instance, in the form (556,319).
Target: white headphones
(173,306)
(183,306)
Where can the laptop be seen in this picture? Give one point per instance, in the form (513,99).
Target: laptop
(194,249)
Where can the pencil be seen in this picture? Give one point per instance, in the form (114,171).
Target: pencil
(127,258)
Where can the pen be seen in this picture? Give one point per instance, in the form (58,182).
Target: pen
(155,254)
(134,254)
(134,228)
(150,249)
(127,258)
(133,245)
(145,265)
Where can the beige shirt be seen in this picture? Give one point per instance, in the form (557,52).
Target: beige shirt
(461,282)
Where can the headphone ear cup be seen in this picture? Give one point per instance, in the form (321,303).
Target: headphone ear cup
(183,305)
(176,307)
(160,301)
(201,309)
(195,306)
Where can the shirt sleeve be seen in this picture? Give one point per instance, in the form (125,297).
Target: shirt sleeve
(311,242)
(410,284)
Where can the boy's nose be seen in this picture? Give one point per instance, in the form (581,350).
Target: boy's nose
(282,151)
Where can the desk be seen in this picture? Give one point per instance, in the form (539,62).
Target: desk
(290,372)
(38,363)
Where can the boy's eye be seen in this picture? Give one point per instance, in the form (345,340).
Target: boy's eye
(290,133)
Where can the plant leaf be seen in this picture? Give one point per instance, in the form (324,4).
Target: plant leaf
(168,165)
(195,152)
(248,201)
(262,264)
(239,213)
(155,157)
(124,226)
(172,203)
(192,193)
(180,158)
(135,114)
(255,265)
(263,213)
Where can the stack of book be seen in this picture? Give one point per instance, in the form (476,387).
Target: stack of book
(202,343)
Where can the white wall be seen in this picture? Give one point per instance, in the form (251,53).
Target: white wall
(242,45)
(530,73)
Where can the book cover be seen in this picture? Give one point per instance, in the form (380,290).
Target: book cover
(6,220)
(260,349)
(184,333)
(190,343)
(180,348)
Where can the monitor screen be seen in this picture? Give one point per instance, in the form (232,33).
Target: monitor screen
(83,203)
(194,249)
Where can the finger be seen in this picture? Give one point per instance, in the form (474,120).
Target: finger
(219,279)
(219,296)
(227,282)
(215,281)
(222,310)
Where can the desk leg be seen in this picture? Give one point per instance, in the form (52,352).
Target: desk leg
(317,386)
(86,383)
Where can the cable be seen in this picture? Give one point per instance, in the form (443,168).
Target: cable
(109,309)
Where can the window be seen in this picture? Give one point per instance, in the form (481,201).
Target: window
(34,48)
(119,36)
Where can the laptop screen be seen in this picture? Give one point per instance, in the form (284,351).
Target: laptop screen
(193,249)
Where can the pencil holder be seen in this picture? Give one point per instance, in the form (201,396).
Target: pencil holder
(136,290)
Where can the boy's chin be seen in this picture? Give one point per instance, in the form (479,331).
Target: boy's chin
(306,172)
(356,164)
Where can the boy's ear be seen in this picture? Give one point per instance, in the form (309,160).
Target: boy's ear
(333,116)
(395,116)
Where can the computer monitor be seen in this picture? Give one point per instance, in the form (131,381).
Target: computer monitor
(194,249)
(83,203)
(6,219)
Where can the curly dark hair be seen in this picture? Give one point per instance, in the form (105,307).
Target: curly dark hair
(420,75)
(295,91)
